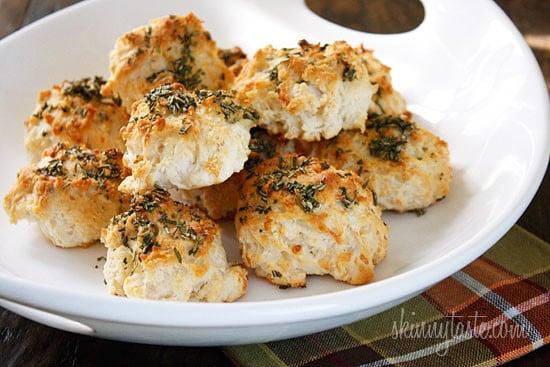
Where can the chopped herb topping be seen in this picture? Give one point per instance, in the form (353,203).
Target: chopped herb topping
(360,169)
(147,37)
(262,144)
(86,88)
(195,247)
(151,78)
(262,209)
(179,101)
(39,114)
(349,72)
(419,212)
(387,148)
(345,199)
(148,242)
(393,134)
(117,100)
(54,168)
(181,68)
(185,126)
(231,110)
(178,255)
(382,123)
(175,100)
(282,179)
(184,231)
(276,274)
(274,74)
(102,167)
(307,196)
(147,202)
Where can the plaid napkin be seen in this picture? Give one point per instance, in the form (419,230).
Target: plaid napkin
(492,311)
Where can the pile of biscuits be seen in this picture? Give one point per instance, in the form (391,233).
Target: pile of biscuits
(302,147)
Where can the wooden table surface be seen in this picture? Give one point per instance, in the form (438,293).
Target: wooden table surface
(23,342)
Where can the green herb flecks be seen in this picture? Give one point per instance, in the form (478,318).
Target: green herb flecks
(148,242)
(175,100)
(346,199)
(185,126)
(262,209)
(231,110)
(86,88)
(40,112)
(393,134)
(100,167)
(360,164)
(349,72)
(183,230)
(179,102)
(419,212)
(197,243)
(282,179)
(178,255)
(150,201)
(147,36)
(274,74)
(54,168)
(151,78)
(307,201)
(387,148)
(183,67)
(383,123)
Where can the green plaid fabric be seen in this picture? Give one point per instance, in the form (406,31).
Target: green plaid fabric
(492,311)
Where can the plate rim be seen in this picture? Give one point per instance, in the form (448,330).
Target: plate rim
(306,308)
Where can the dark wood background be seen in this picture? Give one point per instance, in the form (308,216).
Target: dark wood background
(26,343)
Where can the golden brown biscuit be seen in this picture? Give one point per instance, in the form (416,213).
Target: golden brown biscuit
(164,250)
(167,50)
(71,193)
(311,92)
(75,113)
(300,216)
(181,140)
(407,167)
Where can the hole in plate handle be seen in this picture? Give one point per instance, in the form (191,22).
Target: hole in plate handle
(373,16)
